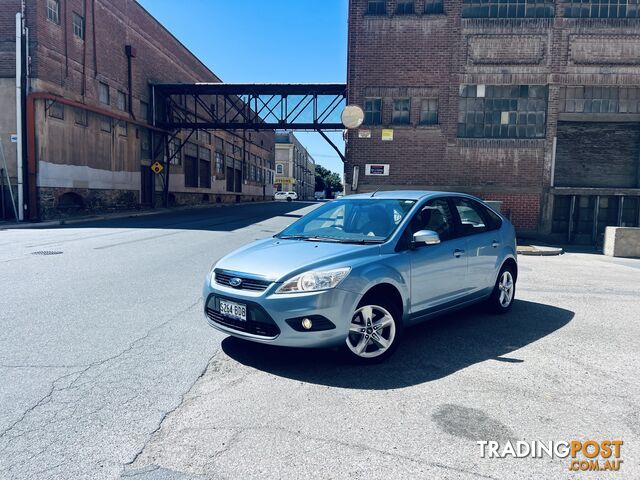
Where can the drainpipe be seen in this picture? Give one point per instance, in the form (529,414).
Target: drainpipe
(19,158)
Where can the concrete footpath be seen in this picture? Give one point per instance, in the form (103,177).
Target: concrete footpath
(119,215)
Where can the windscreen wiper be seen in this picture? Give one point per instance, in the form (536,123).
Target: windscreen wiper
(362,241)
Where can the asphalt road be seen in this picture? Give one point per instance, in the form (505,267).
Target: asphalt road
(107,369)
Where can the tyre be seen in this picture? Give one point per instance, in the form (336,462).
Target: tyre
(289,199)
(374,332)
(504,292)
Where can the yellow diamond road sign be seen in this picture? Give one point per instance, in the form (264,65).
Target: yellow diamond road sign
(157,167)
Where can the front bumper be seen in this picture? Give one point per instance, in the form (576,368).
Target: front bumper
(268,314)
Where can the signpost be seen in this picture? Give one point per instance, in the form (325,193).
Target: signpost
(157,168)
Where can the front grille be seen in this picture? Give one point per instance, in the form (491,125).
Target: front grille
(255,328)
(223,278)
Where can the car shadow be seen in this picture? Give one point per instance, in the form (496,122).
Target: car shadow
(429,351)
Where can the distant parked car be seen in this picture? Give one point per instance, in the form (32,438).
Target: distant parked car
(319,195)
(339,195)
(288,196)
(355,272)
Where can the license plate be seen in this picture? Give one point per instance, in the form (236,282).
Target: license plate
(233,310)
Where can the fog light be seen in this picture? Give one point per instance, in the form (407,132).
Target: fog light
(307,324)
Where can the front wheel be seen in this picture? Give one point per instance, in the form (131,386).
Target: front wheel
(289,199)
(374,333)
(504,292)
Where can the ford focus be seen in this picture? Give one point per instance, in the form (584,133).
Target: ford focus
(356,272)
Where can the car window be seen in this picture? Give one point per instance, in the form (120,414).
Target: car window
(351,220)
(436,216)
(473,216)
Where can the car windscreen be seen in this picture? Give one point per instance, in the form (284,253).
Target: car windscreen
(357,221)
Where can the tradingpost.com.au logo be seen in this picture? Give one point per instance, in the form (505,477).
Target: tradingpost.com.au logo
(589,455)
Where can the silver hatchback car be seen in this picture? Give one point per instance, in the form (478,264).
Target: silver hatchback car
(357,271)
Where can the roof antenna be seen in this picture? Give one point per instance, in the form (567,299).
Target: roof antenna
(374,193)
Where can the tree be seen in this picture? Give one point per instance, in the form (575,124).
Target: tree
(327,181)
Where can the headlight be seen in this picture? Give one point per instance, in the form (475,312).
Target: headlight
(314,281)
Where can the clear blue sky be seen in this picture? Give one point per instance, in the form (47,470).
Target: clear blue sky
(266,41)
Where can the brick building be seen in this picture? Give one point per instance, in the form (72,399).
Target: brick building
(295,167)
(533,103)
(88,136)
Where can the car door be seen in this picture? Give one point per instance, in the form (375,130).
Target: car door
(438,272)
(482,244)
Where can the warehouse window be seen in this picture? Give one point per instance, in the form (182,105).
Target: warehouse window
(401,111)
(122,101)
(219,162)
(433,7)
(122,128)
(429,111)
(103,93)
(53,11)
(56,110)
(508,8)
(190,171)
(78,26)
(81,117)
(205,167)
(597,99)
(373,111)
(405,7)
(279,169)
(175,152)
(144,111)
(105,124)
(502,111)
(377,7)
(601,9)
(219,144)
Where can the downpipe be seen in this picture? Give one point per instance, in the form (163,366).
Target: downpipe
(19,115)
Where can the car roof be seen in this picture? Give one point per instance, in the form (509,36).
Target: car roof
(403,194)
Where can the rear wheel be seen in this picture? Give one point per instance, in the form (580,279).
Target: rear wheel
(374,332)
(289,199)
(504,292)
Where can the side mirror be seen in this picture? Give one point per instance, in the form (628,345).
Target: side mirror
(426,237)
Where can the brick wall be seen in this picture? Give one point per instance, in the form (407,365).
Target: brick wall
(430,56)
(71,67)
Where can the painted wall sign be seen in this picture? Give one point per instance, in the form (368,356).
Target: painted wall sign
(387,135)
(378,169)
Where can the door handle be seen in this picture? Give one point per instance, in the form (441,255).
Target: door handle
(495,244)
(458,253)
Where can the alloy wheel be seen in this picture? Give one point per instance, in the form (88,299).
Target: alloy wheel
(506,287)
(372,331)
